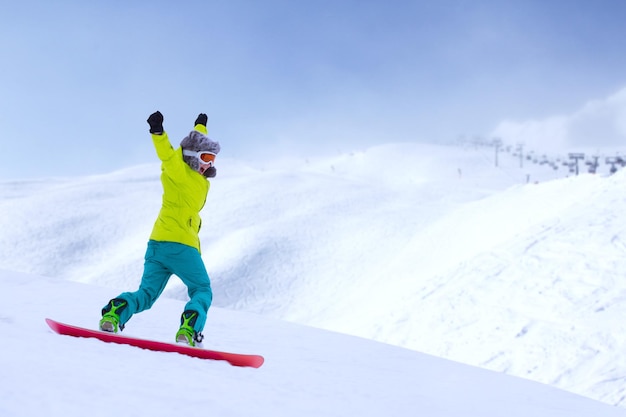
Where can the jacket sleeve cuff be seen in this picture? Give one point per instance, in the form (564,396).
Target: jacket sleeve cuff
(201,128)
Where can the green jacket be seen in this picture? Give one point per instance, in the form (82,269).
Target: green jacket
(184,195)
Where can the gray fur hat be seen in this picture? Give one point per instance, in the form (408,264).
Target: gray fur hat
(196,142)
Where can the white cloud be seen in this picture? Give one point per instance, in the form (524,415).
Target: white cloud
(597,124)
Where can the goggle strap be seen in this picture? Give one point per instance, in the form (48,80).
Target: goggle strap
(187,152)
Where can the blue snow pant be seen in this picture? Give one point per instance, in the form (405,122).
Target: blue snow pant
(161,261)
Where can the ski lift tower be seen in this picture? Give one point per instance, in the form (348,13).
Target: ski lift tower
(575,158)
(497,144)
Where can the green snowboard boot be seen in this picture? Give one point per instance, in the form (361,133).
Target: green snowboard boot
(186,334)
(110,321)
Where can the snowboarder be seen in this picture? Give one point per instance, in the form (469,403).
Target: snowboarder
(174,245)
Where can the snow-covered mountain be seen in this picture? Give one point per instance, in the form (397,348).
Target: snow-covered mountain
(307,372)
(514,269)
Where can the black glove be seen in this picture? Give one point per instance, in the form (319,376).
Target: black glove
(210,172)
(156,123)
(201,120)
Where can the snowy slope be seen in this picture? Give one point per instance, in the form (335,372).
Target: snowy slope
(430,248)
(308,372)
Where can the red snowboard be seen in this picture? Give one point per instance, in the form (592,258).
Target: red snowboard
(235,359)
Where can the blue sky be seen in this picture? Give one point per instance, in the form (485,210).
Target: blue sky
(78,79)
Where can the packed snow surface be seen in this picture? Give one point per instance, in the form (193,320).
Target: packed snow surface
(391,281)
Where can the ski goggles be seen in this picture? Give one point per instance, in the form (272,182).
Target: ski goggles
(204,157)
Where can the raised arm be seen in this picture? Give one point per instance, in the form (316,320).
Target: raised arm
(161,142)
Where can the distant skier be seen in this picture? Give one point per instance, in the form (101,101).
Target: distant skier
(174,245)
